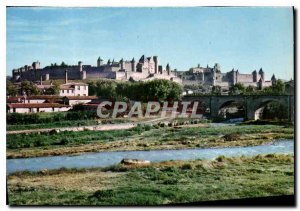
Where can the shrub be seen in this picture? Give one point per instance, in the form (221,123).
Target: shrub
(231,137)
(221,158)
(186,166)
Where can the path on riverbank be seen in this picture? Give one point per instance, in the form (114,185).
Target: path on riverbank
(103,127)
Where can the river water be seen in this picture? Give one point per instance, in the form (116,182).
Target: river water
(104,159)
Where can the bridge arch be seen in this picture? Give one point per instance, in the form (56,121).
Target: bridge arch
(232,108)
(260,108)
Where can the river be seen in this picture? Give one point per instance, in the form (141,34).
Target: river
(104,159)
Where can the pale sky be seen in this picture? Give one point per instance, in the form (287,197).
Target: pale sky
(244,38)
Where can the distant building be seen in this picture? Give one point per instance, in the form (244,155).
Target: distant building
(212,76)
(74,100)
(74,89)
(36,107)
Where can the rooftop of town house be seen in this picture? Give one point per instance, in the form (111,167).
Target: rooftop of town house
(72,85)
(36,105)
(80,97)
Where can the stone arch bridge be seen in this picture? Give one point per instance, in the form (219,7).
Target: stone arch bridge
(252,103)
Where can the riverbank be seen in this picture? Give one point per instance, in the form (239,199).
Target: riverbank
(143,138)
(158,183)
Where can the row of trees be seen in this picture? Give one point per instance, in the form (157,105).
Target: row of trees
(29,88)
(155,90)
(55,65)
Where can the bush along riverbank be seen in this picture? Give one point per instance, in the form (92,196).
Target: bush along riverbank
(143,137)
(158,183)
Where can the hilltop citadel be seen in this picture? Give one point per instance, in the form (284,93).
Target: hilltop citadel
(146,68)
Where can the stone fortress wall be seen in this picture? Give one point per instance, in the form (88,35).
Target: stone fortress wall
(212,76)
(147,68)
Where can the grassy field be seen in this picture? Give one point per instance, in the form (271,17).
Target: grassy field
(159,183)
(143,138)
(68,123)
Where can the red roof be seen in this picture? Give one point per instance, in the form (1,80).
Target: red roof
(71,85)
(36,105)
(31,97)
(81,97)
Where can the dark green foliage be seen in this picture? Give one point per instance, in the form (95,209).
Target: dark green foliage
(275,109)
(54,90)
(216,90)
(39,118)
(16,141)
(10,89)
(231,137)
(277,88)
(155,90)
(223,179)
(237,89)
(29,88)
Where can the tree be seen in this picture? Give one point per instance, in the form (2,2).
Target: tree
(275,110)
(54,90)
(10,89)
(157,89)
(278,87)
(250,90)
(237,89)
(63,64)
(216,90)
(29,88)
(106,89)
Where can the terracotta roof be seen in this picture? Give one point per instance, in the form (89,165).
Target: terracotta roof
(35,97)
(66,88)
(36,105)
(81,97)
(44,86)
(71,85)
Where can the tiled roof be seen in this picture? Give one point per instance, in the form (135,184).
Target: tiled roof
(81,97)
(72,85)
(43,86)
(33,97)
(36,105)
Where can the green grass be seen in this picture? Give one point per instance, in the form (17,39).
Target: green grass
(16,141)
(141,138)
(74,123)
(165,183)
(67,123)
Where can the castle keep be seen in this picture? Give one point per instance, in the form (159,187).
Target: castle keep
(146,68)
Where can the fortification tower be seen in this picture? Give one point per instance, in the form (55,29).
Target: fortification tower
(273,79)
(168,69)
(233,76)
(36,65)
(213,77)
(155,58)
(262,74)
(217,67)
(122,62)
(99,62)
(254,76)
(80,66)
(133,65)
